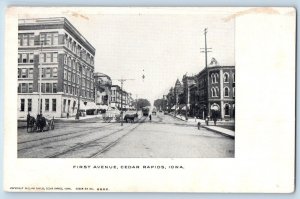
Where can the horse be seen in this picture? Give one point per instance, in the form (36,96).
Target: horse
(30,122)
(40,122)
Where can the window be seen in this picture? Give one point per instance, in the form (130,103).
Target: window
(48,72)
(69,76)
(65,88)
(65,59)
(19,39)
(19,88)
(65,75)
(30,73)
(46,104)
(55,38)
(22,108)
(48,88)
(42,57)
(42,72)
(25,39)
(19,58)
(49,38)
(29,103)
(48,57)
(31,39)
(226,109)
(54,88)
(23,73)
(53,104)
(233,77)
(226,77)
(233,92)
(30,88)
(24,58)
(64,105)
(54,72)
(43,38)
(226,92)
(24,88)
(54,57)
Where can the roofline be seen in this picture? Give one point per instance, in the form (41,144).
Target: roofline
(56,20)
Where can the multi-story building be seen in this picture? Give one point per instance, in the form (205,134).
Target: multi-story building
(55,65)
(216,87)
(115,101)
(187,82)
(103,86)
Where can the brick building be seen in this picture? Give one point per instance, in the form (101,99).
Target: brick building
(218,96)
(53,50)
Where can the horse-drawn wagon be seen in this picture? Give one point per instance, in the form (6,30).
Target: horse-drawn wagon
(39,124)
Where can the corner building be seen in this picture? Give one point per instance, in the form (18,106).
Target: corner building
(55,58)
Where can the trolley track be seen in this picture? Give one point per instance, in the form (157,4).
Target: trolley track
(87,144)
(77,134)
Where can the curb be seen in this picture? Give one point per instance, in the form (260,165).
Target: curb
(213,130)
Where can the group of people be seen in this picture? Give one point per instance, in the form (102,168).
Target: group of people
(206,122)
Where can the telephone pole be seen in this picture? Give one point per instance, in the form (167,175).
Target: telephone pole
(206,50)
(122,81)
(42,43)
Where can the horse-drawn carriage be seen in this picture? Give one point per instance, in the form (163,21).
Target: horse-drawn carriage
(39,124)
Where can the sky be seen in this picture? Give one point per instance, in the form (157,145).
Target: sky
(162,47)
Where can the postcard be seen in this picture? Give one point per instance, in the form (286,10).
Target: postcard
(150,99)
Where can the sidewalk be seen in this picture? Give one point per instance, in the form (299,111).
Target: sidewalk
(211,126)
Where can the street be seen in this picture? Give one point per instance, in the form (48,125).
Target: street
(162,137)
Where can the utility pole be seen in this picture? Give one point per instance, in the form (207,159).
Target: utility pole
(42,43)
(122,81)
(206,50)
(80,86)
(187,98)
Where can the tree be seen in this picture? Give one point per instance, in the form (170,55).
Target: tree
(159,103)
(142,103)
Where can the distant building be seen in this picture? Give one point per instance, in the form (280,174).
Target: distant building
(115,101)
(65,60)
(219,95)
(103,86)
(187,83)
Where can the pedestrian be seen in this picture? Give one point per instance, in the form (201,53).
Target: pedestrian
(206,121)
(68,115)
(150,117)
(199,125)
(28,120)
(215,121)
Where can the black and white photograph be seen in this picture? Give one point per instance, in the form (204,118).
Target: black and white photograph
(150,99)
(126,86)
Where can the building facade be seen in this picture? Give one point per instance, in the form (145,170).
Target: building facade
(103,86)
(216,92)
(115,101)
(55,68)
